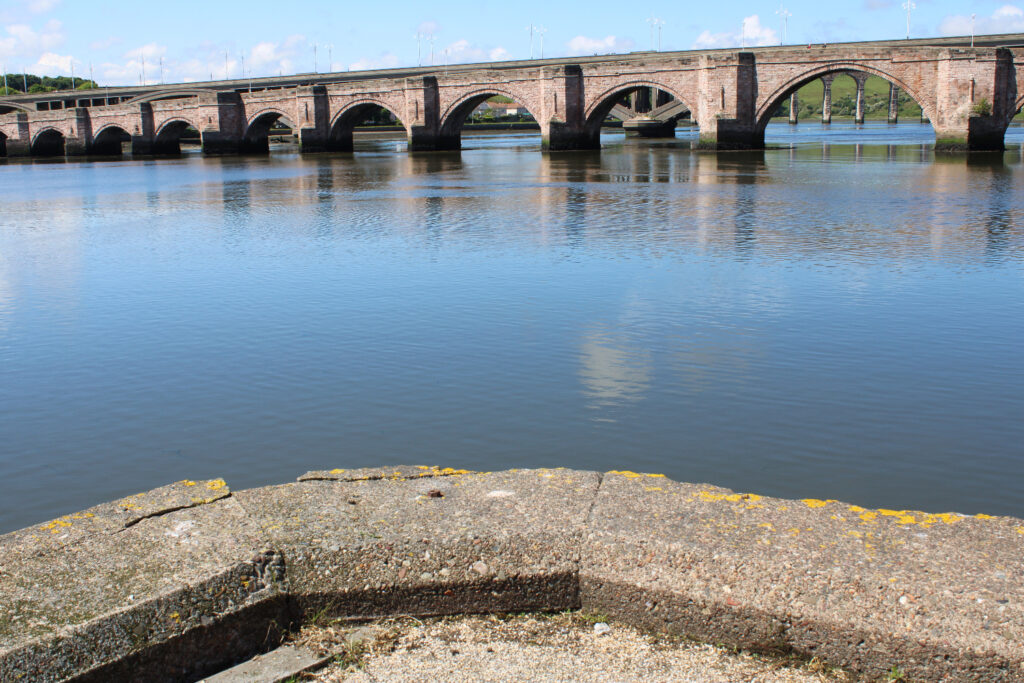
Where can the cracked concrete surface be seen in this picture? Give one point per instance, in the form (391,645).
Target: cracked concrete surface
(180,582)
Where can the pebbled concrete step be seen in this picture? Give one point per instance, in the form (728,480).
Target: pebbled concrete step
(276,666)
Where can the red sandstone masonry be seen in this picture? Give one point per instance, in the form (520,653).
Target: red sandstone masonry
(731,96)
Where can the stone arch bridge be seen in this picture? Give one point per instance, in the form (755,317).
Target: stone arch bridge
(970,94)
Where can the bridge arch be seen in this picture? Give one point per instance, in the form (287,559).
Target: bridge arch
(48,142)
(14,106)
(351,115)
(109,139)
(257,131)
(455,115)
(168,136)
(772,102)
(600,107)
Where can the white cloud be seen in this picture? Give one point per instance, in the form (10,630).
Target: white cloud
(429,28)
(465,52)
(142,64)
(150,52)
(210,68)
(51,64)
(208,63)
(383,61)
(752,34)
(25,43)
(582,45)
(41,6)
(1006,19)
(273,58)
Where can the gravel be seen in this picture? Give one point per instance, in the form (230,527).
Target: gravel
(543,648)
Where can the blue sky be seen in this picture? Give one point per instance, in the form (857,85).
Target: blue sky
(191,37)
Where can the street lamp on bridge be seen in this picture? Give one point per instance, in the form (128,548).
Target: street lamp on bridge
(784,14)
(909,6)
(656,24)
(540,32)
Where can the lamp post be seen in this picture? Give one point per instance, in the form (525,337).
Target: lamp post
(316,67)
(909,6)
(784,14)
(653,21)
(972,29)
(531,28)
(541,31)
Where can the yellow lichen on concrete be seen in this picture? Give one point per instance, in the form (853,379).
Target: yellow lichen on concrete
(712,497)
(637,475)
(815,503)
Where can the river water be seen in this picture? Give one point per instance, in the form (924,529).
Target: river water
(841,316)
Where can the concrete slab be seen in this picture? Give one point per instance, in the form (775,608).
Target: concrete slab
(135,590)
(395,473)
(283,664)
(114,516)
(940,597)
(465,542)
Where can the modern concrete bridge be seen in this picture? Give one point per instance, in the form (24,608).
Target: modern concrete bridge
(970,94)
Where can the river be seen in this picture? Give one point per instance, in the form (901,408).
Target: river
(841,316)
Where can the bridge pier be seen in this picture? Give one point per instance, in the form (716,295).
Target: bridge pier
(650,128)
(560,137)
(861,80)
(20,146)
(794,107)
(224,133)
(17,148)
(894,103)
(826,101)
(314,130)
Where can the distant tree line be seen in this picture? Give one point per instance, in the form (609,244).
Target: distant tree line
(16,84)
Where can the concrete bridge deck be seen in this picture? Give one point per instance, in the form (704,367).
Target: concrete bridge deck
(970,94)
(181,582)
